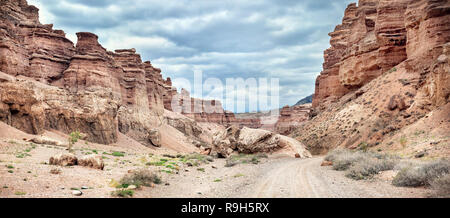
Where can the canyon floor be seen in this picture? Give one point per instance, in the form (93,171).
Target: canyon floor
(24,172)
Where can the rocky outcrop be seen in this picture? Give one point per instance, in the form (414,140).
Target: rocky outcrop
(210,111)
(92,161)
(33,107)
(392,59)
(29,48)
(64,160)
(250,141)
(91,68)
(370,41)
(100,92)
(292,117)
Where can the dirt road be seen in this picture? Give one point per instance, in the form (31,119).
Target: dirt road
(278,178)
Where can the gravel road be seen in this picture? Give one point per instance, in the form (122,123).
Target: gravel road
(277,178)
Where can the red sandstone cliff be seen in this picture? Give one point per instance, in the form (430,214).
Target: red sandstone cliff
(125,94)
(385,79)
(56,85)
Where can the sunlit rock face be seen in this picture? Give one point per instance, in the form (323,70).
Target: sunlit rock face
(371,40)
(385,79)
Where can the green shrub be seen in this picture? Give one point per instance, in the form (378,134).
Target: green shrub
(73,138)
(118,154)
(20,193)
(422,174)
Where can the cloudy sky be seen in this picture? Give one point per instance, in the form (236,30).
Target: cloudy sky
(281,39)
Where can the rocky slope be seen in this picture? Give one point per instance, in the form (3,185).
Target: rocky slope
(386,71)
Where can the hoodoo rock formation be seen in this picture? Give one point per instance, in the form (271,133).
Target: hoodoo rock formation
(66,87)
(387,71)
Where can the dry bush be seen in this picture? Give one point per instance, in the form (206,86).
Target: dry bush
(334,154)
(441,186)
(140,178)
(231,163)
(55,171)
(362,164)
(345,160)
(366,168)
(422,174)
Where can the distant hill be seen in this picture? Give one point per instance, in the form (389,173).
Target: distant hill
(305,100)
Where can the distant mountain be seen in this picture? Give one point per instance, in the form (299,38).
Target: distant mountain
(305,100)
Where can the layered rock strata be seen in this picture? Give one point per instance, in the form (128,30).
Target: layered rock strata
(392,59)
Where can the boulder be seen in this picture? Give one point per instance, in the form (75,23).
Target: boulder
(92,161)
(154,137)
(247,140)
(67,159)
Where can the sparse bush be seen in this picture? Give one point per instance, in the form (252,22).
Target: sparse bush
(262,155)
(392,70)
(124,193)
(346,160)
(73,138)
(362,164)
(238,175)
(255,160)
(117,154)
(198,158)
(403,141)
(366,168)
(230,163)
(441,186)
(244,158)
(334,154)
(141,178)
(363,146)
(422,174)
(20,193)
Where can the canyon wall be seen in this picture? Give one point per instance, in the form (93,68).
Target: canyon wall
(387,71)
(137,95)
(370,41)
(50,83)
